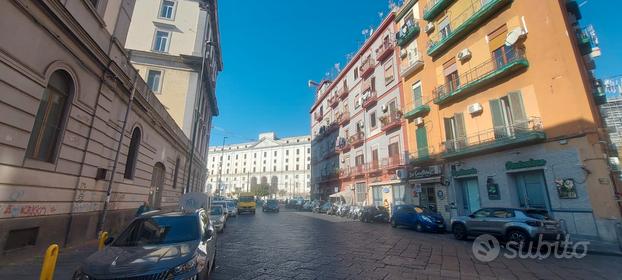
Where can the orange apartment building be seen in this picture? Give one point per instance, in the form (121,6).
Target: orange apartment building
(500,109)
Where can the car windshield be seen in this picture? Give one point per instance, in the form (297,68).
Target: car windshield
(271,202)
(159,231)
(224,205)
(230,204)
(216,211)
(246,199)
(537,214)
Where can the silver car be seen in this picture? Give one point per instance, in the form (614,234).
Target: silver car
(217,216)
(510,224)
(156,245)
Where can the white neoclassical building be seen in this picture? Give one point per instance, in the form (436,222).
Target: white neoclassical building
(284,163)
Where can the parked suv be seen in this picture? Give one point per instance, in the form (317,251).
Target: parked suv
(510,224)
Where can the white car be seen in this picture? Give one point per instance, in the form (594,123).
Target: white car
(232,210)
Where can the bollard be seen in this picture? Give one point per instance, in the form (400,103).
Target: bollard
(49,263)
(102,238)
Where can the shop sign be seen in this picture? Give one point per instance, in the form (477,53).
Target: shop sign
(425,172)
(525,164)
(385,190)
(464,172)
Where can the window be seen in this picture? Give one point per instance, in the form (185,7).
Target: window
(417,96)
(388,72)
(482,213)
(444,28)
(372,120)
(359,160)
(377,195)
(161,41)
(167,10)
(297,167)
(508,115)
(356,73)
(502,213)
(452,80)
(132,154)
(274,168)
(398,194)
(455,132)
(361,192)
(50,118)
(297,151)
(275,153)
(287,152)
(265,154)
(394,150)
(176,173)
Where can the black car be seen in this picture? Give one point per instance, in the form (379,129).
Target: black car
(272,205)
(374,214)
(156,245)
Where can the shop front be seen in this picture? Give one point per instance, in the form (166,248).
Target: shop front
(427,188)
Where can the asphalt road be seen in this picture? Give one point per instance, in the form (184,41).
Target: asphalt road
(297,245)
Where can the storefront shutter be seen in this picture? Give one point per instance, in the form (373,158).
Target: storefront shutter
(518,111)
(497,119)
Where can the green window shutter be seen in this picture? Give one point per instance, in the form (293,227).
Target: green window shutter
(497,119)
(460,130)
(449,136)
(422,142)
(518,110)
(417,95)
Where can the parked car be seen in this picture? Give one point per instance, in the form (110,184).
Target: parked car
(232,210)
(325,207)
(217,216)
(421,219)
(271,205)
(156,245)
(375,214)
(510,224)
(224,206)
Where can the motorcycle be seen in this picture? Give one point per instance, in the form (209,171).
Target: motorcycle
(343,210)
(374,214)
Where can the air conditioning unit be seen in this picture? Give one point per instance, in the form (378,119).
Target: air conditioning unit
(475,108)
(384,108)
(418,121)
(403,53)
(429,27)
(464,55)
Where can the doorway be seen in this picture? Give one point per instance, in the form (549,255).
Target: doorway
(428,197)
(531,189)
(157,186)
(469,191)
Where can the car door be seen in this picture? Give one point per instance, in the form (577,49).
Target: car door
(497,220)
(409,217)
(477,221)
(208,236)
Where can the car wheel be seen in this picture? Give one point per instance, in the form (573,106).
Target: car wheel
(518,236)
(459,231)
(418,227)
(393,223)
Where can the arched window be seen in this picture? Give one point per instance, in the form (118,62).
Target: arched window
(51,115)
(176,173)
(132,154)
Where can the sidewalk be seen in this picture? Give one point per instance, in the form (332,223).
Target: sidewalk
(68,261)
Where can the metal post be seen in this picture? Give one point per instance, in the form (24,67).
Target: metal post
(102,221)
(222,155)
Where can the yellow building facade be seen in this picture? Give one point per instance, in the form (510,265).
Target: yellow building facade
(501,112)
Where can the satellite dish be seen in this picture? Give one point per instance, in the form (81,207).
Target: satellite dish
(513,36)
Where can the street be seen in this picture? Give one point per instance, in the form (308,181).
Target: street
(302,245)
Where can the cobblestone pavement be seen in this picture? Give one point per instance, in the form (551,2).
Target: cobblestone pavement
(296,245)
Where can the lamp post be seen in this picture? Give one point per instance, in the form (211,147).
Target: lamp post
(222,155)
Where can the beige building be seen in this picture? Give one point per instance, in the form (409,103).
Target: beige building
(66,85)
(283,163)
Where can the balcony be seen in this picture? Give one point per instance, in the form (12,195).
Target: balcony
(517,134)
(318,116)
(391,121)
(584,40)
(480,76)
(416,110)
(373,167)
(598,91)
(358,170)
(407,33)
(367,67)
(385,50)
(342,145)
(343,91)
(357,139)
(434,8)
(413,63)
(463,23)
(421,156)
(393,162)
(333,101)
(345,172)
(343,118)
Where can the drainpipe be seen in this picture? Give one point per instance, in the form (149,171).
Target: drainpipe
(102,220)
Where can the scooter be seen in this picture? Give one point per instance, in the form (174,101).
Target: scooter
(375,214)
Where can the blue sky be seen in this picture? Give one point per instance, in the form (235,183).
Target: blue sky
(272,48)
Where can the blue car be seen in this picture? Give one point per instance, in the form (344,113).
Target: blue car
(417,217)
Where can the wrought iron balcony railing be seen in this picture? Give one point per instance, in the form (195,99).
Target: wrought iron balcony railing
(367,66)
(434,8)
(411,64)
(391,120)
(407,33)
(385,50)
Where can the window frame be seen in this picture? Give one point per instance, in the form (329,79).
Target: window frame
(160,81)
(173,12)
(134,158)
(155,40)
